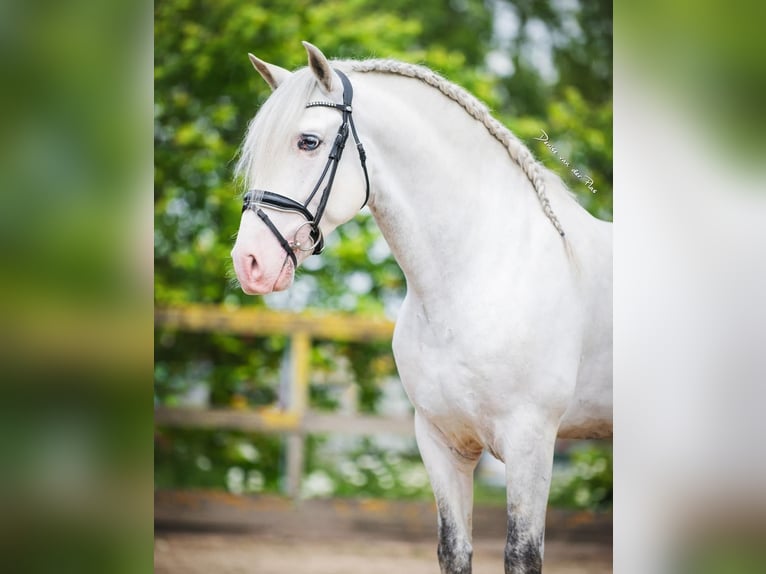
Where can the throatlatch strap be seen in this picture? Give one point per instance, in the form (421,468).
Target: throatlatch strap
(348,96)
(362,160)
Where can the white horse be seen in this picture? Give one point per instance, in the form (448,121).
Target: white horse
(503,341)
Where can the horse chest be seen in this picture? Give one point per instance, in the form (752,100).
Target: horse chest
(450,382)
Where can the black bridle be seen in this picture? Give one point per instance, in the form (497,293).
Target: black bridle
(257,197)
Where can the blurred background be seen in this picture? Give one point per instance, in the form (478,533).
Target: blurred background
(296,394)
(690,287)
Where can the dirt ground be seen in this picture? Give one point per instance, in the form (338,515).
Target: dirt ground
(235,553)
(208,532)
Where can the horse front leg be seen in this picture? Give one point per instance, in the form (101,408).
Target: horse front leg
(451,476)
(528,451)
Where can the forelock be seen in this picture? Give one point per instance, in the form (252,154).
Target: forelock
(273,124)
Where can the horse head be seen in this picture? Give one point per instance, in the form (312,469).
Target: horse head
(300,185)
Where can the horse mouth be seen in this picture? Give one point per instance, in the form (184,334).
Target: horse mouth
(255,283)
(283,282)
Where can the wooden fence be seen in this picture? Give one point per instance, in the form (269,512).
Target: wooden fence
(295,418)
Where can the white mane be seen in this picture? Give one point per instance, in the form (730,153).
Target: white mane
(276,118)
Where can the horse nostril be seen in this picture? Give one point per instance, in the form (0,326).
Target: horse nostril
(253,265)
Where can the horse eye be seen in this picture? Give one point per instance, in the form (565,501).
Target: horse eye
(308,143)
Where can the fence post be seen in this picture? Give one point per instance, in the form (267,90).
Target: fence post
(300,357)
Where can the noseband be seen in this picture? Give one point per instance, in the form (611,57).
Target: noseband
(257,198)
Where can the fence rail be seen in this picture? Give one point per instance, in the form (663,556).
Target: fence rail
(254,321)
(274,420)
(296,419)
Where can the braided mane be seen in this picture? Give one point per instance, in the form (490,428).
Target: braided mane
(516,149)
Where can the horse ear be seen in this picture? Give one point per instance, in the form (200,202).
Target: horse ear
(321,67)
(274,75)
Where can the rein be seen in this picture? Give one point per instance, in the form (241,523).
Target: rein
(255,198)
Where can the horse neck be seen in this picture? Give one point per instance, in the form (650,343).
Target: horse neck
(448,199)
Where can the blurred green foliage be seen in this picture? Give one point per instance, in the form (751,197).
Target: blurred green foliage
(203,459)
(205,93)
(706,59)
(586,481)
(365,469)
(724,552)
(253,464)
